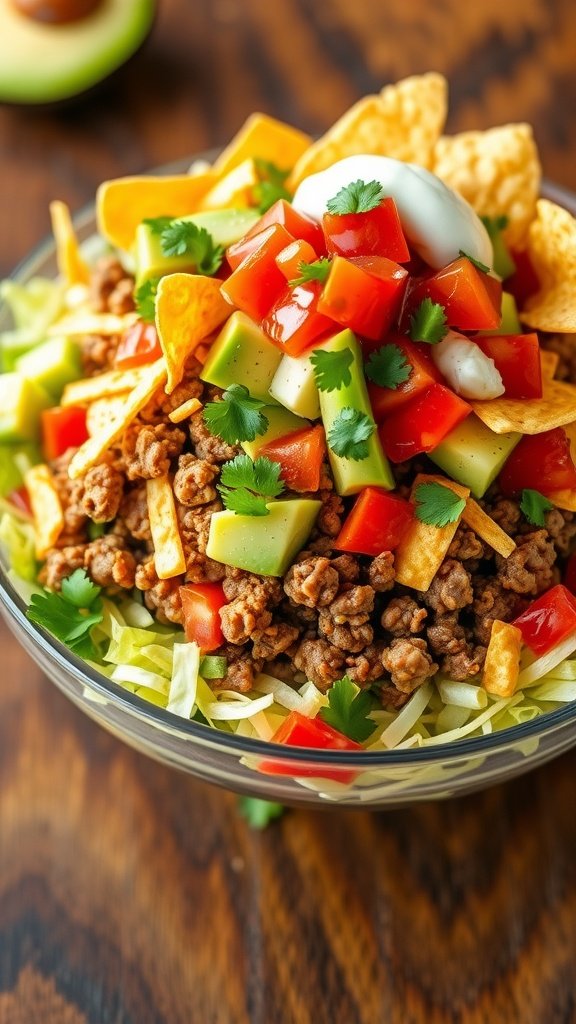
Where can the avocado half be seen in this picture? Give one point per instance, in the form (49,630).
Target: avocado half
(44,63)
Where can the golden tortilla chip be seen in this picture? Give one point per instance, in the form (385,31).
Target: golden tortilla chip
(92,323)
(552,251)
(556,408)
(233,190)
(94,448)
(423,548)
(264,138)
(486,528)
(188,308)
(502,665)
(548,363)
(123,203)
(113,382)
(47,513)
(71,265)
(100,412)
(169,557)
(184,411)
(404,121)
(497,171)
(565,498)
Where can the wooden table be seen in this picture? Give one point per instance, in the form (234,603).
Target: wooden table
(130,894)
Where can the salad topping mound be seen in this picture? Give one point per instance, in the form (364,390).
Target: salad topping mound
(299,453)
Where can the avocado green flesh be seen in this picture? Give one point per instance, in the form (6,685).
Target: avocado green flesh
(21,402)
(43,63)
(10,471)
(294,386)
(350,475)
(262,544)
(52,365)
(473,454)
(281,422)
(242,354)
(510,324)
(225,227)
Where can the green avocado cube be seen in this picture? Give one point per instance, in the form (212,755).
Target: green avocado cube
(265,545)
(52,365)
(509,324)
(242,354)
(294,386)
(225,226)
(473,454)
(280,423)
(21,402)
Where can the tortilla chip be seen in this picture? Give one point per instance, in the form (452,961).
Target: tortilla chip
(552,251)
(70,263)
(188,308)
(169,557)
(264,138)
(404,121)
(548,363)
(100,412)
(184,411)
(565,498)
(530,416)
(497,171)
(502,665)
(113,382)
(233,190)
(94,448)
(423,548)
(487,529)
(92,323)
(47,513)
(123,203)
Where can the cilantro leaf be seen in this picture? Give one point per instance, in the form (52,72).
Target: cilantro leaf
(79,589)
(348,436)
(158,224)
(357,197)
(428,322)
(184,238)
(246,486)
(332,369)
(348,710)
(437,505)
(70,615)
(534,505)
(271,186)
(388,367)
(316,271)
(236,417)
(259,813)
(145,299)
(477,263)
(494,225)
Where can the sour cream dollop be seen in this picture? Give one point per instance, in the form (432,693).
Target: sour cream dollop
(470,372)
(437,222)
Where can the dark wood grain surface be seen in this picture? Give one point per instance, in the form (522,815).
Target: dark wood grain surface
(130,894)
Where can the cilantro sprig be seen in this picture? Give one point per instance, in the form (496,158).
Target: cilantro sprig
(246,486)
(259,813)
(348,710)
(184,238)
(349,434)
(357,197)
(428,322)
(158,224)
(534,506)
(316,271)
(271,186)
(388,367)
(332,369)
(237,417)
(71,614)
(145,299)
(437,505)
(477,263)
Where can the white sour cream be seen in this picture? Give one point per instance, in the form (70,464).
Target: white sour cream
(469,372)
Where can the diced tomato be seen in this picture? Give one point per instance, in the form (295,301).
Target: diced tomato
(249,244)
(363,294)
(542,462)
(570,574)
(300,455)
(21,500)
(377,232)
(294,322)
(138,345)
(423,373)
(256,283)
(517,359)
(548,620)
(471,298)
(289,260)
(314,734)
(63,427)
(524,282)
(421,424)
(377,523)
(201,604)
(297,224)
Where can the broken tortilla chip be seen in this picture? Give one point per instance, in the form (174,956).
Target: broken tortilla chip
(502,664)
(487,528)
(169,557)
(100,412)
(121,204)
(71,265)
(497,171)
(234,189)
(188,308)
(549,362)
(404,121)
(552,252)
(184,411)
(113,382)
(423,547)
(92,450)
(47,513)
(263,138)
(565,498)
(530,416)
(92,323)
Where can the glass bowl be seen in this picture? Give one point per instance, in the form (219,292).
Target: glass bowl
(375,780)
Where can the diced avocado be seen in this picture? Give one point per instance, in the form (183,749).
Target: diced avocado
(473,454)
(280,423)
(262,544)
(225,226)
(510,324)
(242,354)
(351,476)
(14,344)
(294,386)
(15,459)
(21,402)
(52,365)
(502,262)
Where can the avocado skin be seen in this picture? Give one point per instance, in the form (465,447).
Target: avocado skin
(473,454)
(265,545)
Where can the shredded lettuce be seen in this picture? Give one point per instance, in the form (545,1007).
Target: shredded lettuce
(34,307)
(184,681)
(17,538)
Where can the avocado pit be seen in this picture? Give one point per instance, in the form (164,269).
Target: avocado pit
(56,12)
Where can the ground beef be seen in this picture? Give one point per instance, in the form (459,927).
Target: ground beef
(201,569)
(274,640)
(392,698)
(71,493)
(242,669)
(161,596)
(492,601)
(450,589)
(205,445)
(193,482)
(409,663)
(111,287)
(109,563)
(446,635)
(103,490)
(252,599)
(320,661)
(345,621)
(61,563)
(161,405)
(313,582)
(329,520)
(148,450)
(366,667)
(347,567)
(403,617)
(239,583)
(528,570)
(134,513)
(562,529)
(465,663)
(194,524)
(507,514)
(97,352)
(381,572)
(466,545)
